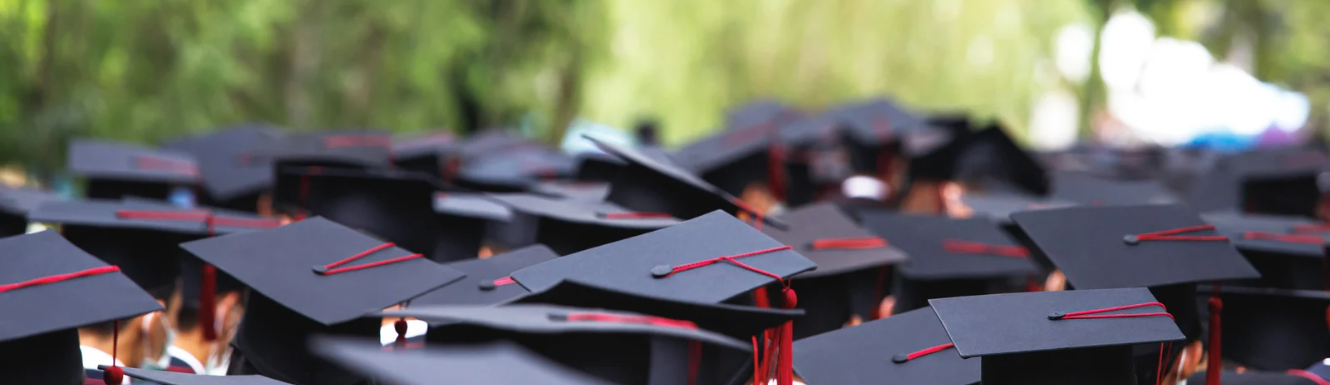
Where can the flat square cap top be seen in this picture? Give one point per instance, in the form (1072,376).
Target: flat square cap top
(661,166)
(642,265)
(726,147)
(1024,322)
(224,163)
(550,319)
(584,212)
(1281,235)
(424,145)
(500,363)
(999,206)
(471,205)
(587,191)
(1087,189)
(1106,247)
(119,161)
(946,248)
(485,282)
(357,278)
(357,148)
(83,291)
(145,215)
(824,234)
(867,354)
(171,378)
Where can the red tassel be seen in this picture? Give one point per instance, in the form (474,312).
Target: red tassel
(785,364)
(113,375)
(208,302)
(1212,368)
(776,170)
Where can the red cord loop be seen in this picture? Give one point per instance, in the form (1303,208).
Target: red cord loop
(205,216)
(1288,238)
(634,215)
(955,246)
(1171,235)
(626,319)
(1094,314)
(1308,375)
(1312,228)
(146,162)
(491,285)
(848,243)
(663,271)
(329,269)
(59,278)
(903,358)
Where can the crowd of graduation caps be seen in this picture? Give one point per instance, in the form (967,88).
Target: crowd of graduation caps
(339,258)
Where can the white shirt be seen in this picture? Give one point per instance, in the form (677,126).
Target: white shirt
(183,355)
(414,328)
(92,357)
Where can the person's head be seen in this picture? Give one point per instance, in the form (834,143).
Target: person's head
(646,132)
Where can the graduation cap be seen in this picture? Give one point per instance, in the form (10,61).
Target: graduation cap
(907,349)
(1265,181)
(998,206)
(115,170)
(1252,377)
(15,205)
(172,378)
(597,167)
(500,363)
(1061,337)
(614,346)
(312,276)
(1273,329)
(492,141)
(737,158)
(463,223)
(850,276)
(1284,258)
(652,184)
(436,154)
(757,112)
(950,257)
(991,155)
(230,179)
(569,226)
(359,149)
(49,288)
(1087,189)
(513,170)
(584,191)
(487,280)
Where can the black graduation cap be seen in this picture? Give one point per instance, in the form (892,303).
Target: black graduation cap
(991,155)
(115,170)
(15,205)
(585,191)
(757,112)
(1088,189)
(513,170)
(487,280)
(500,363)
(615,346)
(1060,337)
(492,141)
(1285,259)
(463,223)
(568,226)
(850,276)
(312,276)
(734,159)
(230,177)
(1252,377)
(1285,181)
(676,248)
(1273,329)
(39,337)
(652,184)
(907,349)
(998,206)
(172,378)
(432,153)
(361,149)
(950,257)
(597,166)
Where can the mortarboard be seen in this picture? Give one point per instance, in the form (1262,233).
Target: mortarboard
(497,363)
(584,191)
(361,149)
(850,276)
(736,158)
(49,288)
(115,170)
(906,349)
(1252,377)
(991,155)
(1273,329)
(464,220)
(615,346)
(1087,189)
(949,257)
(172,378)
(568,226)
(597,167)
(652,184)
(487,280)
(312,276)
(1265,181)
(230,178)
(513,170)
(1285,259)
(493,141)
(1061,337)
(436,154)
(15,205)
(757,112)
(998,206)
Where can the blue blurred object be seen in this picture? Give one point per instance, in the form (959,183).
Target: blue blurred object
(183,197)
(1223,141)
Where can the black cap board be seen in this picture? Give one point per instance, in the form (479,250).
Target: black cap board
(147,215)
(949,257)
(1273,329)
(652,256)
(906,349)
(629,347)
(492,141)
(991,155)
(513,170)
(1252,377)
(734,159)
(568,226)
(850,277)
(172,378)
(1054,337)
(312,276)
(15,205)
(500,363)
(1087,189)
(586,191)
(115,170)
(434,153)
(1287,181)
(756,112)
(1285,260)
(651,184)
(487,281)
(597,166)
(230,178)
(38,337)
(998,206)
(365,149)
(464,220)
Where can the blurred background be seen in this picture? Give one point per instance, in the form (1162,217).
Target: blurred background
(1227,73)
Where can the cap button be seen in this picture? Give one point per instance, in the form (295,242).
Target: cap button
(661,271)
(320,270)
(1056,316)
(1130,239)
(487,285)
(558,317)
(900,358)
